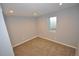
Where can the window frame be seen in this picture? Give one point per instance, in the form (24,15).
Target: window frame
(49,28)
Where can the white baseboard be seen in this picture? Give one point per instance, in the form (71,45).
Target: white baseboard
(43,38)
(57,42)
(24,41)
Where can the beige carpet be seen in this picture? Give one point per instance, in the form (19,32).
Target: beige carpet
(43,47)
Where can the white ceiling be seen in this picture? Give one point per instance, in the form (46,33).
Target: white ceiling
(27,9)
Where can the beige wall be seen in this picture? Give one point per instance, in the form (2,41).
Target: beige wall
(77,52)
(20,28)
(66,26)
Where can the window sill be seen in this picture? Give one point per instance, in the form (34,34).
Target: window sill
(54,31)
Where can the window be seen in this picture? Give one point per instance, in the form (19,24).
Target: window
(52,23)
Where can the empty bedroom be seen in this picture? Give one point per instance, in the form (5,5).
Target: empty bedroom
(39,29)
